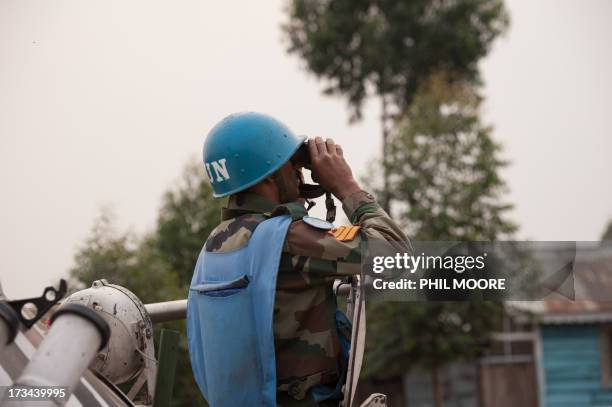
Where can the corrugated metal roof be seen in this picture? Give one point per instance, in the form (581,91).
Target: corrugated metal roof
(560,319)
(592,283)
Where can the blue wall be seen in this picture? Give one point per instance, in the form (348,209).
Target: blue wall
(572,366)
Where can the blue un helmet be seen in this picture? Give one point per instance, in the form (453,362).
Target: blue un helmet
(245,148)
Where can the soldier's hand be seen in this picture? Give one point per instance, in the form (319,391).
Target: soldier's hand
(329,168)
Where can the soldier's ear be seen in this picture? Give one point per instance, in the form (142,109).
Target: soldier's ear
(264,183)
(266,187)
(270,180)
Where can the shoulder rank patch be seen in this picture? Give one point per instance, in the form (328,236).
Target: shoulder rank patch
(317,223)
(345,233)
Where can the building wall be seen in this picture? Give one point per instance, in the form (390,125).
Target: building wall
(460,381)
(508,384)
(571,363)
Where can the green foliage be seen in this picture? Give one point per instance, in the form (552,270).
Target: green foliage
(404,335)
(443,168)
(126,260)
(187,216)
(391,46)
(158,266)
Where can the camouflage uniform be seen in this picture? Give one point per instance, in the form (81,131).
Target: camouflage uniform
(307,347)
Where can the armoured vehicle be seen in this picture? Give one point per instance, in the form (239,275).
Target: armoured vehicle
(76,351)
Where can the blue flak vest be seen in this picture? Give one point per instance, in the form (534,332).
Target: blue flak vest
(229,319)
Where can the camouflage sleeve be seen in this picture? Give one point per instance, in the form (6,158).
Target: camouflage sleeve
(315,251)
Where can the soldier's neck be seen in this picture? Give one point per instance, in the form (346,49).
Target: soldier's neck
(267,190)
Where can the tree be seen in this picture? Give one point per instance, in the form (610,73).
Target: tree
(187,216)
(429,335)
(607,235)
(443,168)
(124,259)
(389,47)
(157,266)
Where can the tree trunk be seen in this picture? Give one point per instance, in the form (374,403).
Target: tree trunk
(438,390)
(386,195)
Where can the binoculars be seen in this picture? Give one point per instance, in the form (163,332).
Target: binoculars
(301,158)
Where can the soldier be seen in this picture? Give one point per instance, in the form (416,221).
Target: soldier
(262,322)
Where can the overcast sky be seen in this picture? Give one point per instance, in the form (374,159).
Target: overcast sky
(103,103)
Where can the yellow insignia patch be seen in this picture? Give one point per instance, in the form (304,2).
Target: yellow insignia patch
(345,233)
